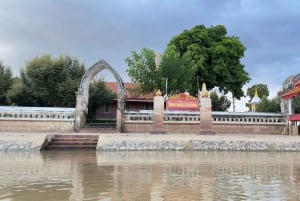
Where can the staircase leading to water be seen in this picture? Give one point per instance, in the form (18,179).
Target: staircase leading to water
(70,141)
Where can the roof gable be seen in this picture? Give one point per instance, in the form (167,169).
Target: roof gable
(113,86)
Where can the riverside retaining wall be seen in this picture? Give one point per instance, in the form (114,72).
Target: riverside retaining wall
(173,142)
(160,142)
(22,142)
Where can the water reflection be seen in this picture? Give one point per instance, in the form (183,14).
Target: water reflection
(89,175)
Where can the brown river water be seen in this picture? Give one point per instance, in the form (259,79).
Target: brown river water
(130,176)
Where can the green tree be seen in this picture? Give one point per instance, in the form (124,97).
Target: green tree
(73,71)
(142,70)
(99,94)
(19,94)
(191,58)
(48,82)
(219,103)
(267,105)
(215,56)
(175,71)
(262,91)
(5,82)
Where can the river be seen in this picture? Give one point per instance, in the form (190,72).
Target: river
(157,176)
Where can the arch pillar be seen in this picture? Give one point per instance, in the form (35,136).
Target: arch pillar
(82,95)
(80,115)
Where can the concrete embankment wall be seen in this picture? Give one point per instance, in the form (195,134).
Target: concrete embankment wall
(161,142)
(23,141)
(190,142)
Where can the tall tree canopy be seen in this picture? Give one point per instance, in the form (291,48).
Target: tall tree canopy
(175,70)
(214,56)
(5,82)
(195,56)
(142,70)
(48,82)
(262,91)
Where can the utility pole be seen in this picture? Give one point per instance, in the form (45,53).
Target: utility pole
(167,87)
(233,105)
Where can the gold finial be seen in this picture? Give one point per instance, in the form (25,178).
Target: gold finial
(204,91)
(255,94)
(255,100)
(158,93)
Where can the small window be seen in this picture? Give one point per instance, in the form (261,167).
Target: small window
(107,108)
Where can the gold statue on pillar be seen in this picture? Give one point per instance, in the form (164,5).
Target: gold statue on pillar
(255,100)
(158,93)
(204,92)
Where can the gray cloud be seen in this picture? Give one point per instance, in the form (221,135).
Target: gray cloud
(92,30)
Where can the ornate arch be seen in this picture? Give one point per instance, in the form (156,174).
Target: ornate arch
(82,95)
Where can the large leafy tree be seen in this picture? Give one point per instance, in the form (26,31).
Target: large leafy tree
(175,70)
(5,82)
(142,70)
(215,56)
(48,82)
(262,90)
(21,94)
(195,56)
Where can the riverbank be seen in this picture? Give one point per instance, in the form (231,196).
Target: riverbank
(160,142)
(181,142)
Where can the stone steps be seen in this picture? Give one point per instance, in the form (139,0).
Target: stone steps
(73,142)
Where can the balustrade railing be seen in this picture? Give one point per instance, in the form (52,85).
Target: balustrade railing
(68,114)
(217,117)
(248,117)
(142,115)
(34,113)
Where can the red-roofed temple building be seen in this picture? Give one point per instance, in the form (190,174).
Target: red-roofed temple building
(133,101)
(291,89)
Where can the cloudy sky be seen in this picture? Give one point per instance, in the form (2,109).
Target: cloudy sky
(91,30)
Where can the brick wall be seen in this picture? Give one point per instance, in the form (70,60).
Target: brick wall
(35,125)
(142,127)
(146,127)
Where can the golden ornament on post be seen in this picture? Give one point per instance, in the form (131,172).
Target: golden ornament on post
(158,93)
(204,91)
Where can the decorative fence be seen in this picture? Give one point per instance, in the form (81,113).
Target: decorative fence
(217,117)
(34,113)
(36,119)
(62,119)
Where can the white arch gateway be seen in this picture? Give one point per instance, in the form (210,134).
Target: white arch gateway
(82,95)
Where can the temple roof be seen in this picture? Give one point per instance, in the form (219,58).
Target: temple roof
(291,82)
(129,94)
(291,87)
(291,93)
